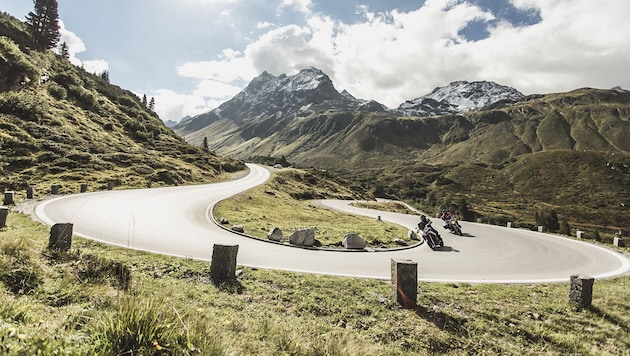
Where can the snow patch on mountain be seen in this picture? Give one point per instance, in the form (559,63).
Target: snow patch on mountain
(458,97)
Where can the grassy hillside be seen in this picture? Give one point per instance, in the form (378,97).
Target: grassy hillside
(584,119)
(60,124)
(286,202)
(588,190)
(100,300)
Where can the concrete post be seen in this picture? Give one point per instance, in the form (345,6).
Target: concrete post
(405,282)
(579,234)
(509,224)
(223,264)
(541,228)
(60,236)
(4,212)
(581,291)
(54,189)
(618,241)
(84,187)
(30,192)
(8,197)
(110,185)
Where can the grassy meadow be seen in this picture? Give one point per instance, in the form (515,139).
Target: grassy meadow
(103,300)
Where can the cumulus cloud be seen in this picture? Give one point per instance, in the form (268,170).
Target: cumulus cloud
(171,105)
(396,56)
(76,46)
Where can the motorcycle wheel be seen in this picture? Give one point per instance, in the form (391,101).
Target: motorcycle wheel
(431,241)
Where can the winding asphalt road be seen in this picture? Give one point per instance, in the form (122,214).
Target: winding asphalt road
(177,221)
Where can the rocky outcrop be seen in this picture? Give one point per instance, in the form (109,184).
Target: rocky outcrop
(353,241)
(275,234)
(303,237)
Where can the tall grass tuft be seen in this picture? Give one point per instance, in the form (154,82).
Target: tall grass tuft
(137,327)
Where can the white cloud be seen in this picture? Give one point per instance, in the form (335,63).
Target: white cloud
(75,46)
(303,6)
(228,70)
(264,25)
(97,66)
(396,56)
(170,105)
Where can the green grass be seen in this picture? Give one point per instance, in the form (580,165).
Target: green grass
(287,201)
(171,307)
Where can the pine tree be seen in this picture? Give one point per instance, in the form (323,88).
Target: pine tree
(43,24)
(204,145)
(144,100)
(105,75)
(152,104)
(65,52)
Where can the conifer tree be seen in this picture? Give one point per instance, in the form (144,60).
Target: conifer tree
(105,75)
(65,52)
(43,24)
(144,100)
(152,104)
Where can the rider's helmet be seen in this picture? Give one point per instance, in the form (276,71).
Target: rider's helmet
(423,218)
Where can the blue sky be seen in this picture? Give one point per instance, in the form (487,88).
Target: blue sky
(193,55)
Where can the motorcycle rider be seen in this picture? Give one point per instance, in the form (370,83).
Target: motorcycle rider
(423,222)
(446,216)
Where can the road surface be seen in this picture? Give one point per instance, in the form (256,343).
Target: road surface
(177,221)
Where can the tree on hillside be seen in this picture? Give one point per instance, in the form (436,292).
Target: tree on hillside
(43,24)
(144,100)
(152,104)
(104,75)
(64,51)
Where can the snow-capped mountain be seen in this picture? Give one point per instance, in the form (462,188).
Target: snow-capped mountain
(458,97)
(311,91)
(301,94)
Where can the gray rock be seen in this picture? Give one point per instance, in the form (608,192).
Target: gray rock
(302,237)
(412,235)
(238,228)
(275,234)
(401,242)
(353,241)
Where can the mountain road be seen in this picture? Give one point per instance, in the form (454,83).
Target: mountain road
(178,221)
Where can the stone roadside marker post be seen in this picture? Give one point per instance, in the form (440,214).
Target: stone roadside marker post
(223,264)
(60,237)
(618,241)
(4,212)
(84,187)
(54,189)
(405,282)
(581,291)
(9,197)
(30,192)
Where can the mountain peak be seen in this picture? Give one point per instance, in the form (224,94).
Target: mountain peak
(459,96)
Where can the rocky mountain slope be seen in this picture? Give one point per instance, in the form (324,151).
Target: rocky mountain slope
(60,124)
(303,118)
(269,103)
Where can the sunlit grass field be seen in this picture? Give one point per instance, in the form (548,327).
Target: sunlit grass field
(104,300)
